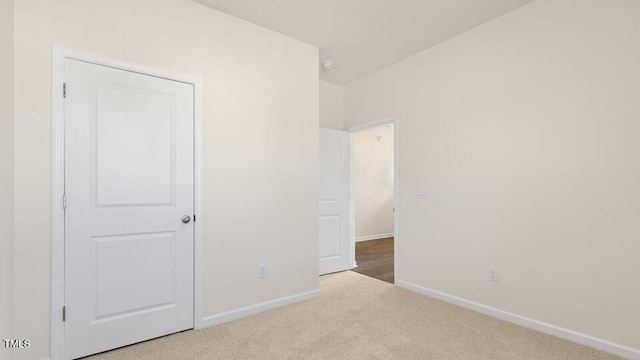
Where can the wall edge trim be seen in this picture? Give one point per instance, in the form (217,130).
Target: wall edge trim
(257,308)
(374,237)
(574,336)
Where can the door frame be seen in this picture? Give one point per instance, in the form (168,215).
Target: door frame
(395,120)
(58,56)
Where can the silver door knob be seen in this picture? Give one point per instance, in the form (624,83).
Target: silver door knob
(186,219)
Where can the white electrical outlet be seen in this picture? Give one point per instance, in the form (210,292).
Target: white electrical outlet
(421,192)
(492,273)
(262,271)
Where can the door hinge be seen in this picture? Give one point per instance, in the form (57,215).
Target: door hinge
(64,202)
(64,90)
(64,313)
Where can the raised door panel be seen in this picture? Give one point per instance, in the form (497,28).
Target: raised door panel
(134,146)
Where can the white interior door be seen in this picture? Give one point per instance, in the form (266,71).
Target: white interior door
(129,155)
(334,201)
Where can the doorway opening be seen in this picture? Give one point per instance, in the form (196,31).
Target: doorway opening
(374,177)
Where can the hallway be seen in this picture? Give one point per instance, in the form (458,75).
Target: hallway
(375,259)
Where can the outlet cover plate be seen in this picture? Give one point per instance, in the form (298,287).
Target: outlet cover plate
(492,273)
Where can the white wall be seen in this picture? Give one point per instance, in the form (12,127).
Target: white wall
(525,131)
(331,106)
(260,143)
(6,174)
(373,182)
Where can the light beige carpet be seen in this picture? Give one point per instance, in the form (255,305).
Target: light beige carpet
(358,317)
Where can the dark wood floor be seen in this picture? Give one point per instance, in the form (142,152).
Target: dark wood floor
(375,259)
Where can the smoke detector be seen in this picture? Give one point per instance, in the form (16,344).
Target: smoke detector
(327,65)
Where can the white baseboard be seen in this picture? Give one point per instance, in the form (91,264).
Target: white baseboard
(557,331)
(373,237)
(255,309)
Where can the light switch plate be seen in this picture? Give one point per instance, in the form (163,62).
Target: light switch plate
(492,273)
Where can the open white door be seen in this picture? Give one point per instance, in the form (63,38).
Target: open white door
(129,187)
(334,201)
